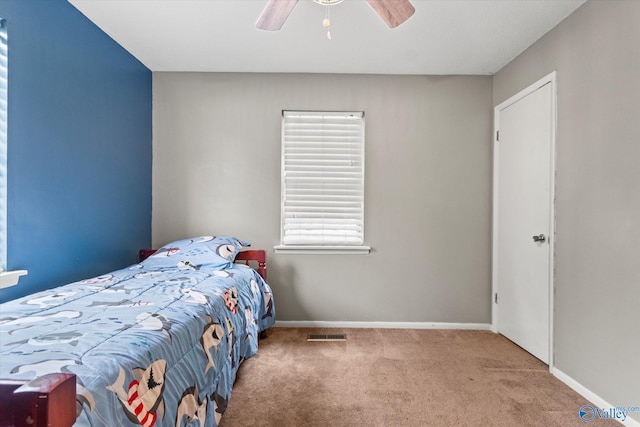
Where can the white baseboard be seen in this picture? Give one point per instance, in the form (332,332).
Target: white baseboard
(380,325)
(597,401)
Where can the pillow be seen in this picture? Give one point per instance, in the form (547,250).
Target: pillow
(215,252)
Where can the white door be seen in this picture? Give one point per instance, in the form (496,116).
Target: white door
(523,218)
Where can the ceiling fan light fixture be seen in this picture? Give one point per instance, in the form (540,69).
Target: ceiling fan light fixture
(326,22)
(276,12)
(328,2)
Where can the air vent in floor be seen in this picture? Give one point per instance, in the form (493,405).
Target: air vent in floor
(326,337)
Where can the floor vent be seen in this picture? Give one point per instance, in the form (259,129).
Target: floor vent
(326,337)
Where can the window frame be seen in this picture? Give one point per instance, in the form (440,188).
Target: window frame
(4,98)
(318,247)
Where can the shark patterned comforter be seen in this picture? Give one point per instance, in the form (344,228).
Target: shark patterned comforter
(158,343)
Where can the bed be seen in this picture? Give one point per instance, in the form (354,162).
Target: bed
(158,343)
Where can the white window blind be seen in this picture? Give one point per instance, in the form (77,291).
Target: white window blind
(322,178)
(4,70)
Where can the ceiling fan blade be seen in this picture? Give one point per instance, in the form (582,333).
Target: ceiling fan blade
(275,14)
(393,12)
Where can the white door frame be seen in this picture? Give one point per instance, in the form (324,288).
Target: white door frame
(548,79)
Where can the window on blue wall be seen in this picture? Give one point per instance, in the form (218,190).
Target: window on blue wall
(4,70)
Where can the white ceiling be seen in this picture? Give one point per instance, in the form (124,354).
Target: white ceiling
(442,37)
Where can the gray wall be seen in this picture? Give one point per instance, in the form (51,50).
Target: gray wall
(216,170)
(596,52)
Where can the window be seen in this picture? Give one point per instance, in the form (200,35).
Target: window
(3,143)
(322,182)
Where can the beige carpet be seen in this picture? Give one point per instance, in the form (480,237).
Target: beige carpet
(397,377)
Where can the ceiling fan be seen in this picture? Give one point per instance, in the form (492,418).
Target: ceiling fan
(276,12)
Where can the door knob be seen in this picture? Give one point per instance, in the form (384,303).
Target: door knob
(539,238)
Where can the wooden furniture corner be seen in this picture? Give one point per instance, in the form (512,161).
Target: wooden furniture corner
(46,401)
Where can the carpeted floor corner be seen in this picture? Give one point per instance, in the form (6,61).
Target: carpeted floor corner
(398,377)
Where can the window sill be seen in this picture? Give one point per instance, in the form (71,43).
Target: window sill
(330,250)
(10,278)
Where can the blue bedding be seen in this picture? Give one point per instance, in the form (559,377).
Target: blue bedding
(150,344)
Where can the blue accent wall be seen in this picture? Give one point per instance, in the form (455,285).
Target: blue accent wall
(79,148)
